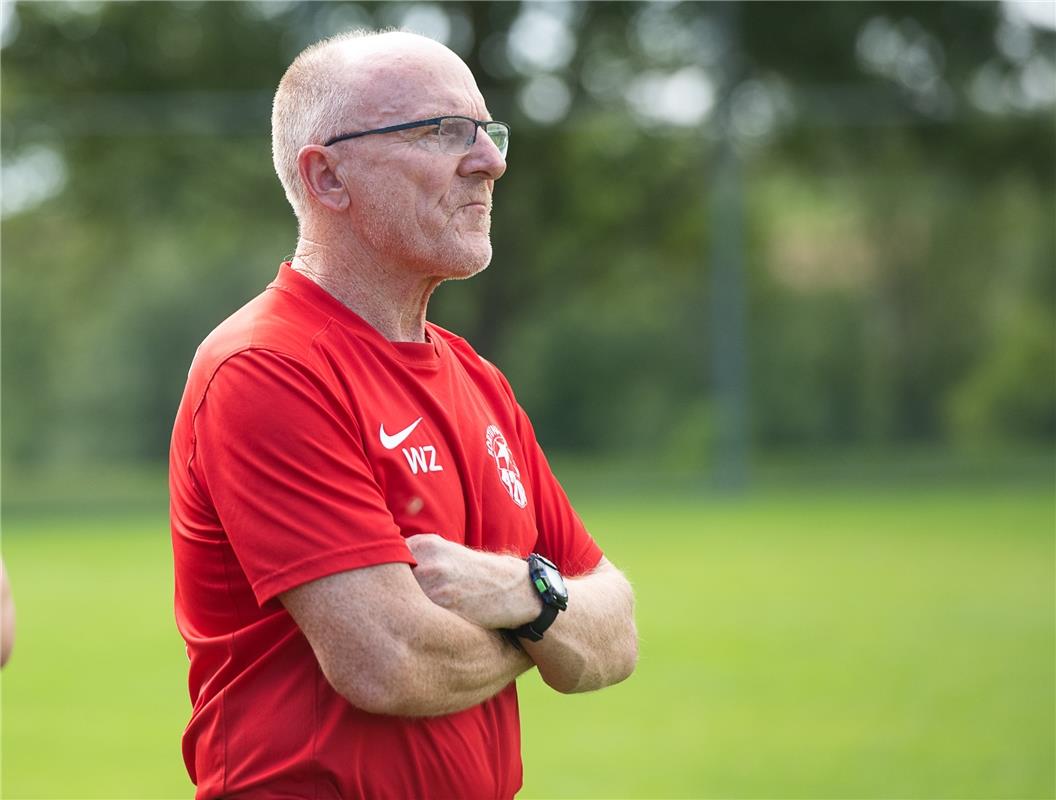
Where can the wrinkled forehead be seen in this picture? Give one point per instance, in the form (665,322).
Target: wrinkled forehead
(414,81)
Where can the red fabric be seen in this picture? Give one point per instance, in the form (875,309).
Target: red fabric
(279,476)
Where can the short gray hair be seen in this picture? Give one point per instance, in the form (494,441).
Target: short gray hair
(310,101)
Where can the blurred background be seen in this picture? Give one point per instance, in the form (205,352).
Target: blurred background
(775,281)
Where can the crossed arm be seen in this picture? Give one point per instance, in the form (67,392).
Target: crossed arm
(426,642)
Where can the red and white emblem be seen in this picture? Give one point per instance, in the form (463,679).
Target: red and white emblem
(508,472)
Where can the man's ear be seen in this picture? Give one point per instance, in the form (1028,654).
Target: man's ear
(318,168)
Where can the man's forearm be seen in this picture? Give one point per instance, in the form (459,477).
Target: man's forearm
(457,664)
(388,649)
(594,643)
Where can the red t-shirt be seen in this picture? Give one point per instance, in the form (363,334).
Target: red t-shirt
(308,444)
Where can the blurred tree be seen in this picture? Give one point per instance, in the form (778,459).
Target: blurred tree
(898,179)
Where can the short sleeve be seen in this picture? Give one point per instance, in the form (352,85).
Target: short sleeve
(563,538)
(282,462)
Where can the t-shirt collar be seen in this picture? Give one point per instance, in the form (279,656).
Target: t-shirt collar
(305,288)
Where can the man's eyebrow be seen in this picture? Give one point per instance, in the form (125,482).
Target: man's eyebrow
(486,118)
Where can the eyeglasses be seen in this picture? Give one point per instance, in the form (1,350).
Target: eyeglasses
(455,135)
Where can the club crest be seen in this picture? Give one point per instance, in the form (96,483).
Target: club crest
(508,472)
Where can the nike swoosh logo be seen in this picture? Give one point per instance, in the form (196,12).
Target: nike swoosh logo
(389,442)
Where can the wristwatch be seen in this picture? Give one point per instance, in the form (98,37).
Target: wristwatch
(548,582)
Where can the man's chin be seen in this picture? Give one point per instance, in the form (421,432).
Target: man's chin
(468,262)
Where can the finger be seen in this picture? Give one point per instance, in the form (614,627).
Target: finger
(423,545)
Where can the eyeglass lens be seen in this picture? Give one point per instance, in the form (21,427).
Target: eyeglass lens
(457,135)
(499,134)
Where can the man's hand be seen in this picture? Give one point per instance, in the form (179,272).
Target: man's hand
(488,589)
(591,645)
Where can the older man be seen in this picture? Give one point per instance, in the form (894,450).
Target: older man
(369,543)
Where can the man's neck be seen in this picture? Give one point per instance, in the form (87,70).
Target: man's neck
(391,300)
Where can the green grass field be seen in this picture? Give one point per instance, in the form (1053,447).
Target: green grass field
(813,643)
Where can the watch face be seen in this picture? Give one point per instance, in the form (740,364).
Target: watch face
(557,583)
(548,581)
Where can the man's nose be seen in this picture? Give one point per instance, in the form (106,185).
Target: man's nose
(483,159)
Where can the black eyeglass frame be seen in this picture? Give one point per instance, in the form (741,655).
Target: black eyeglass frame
(477,125)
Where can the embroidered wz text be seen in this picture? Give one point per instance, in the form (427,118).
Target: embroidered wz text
(422,459)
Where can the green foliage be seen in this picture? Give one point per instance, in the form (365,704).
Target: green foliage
(994,403)
(898,249)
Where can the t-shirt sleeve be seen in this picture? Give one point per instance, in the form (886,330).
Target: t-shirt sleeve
(282,462)
(563,538)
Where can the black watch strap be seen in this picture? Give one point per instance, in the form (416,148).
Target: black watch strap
(533,631)
(546,580)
